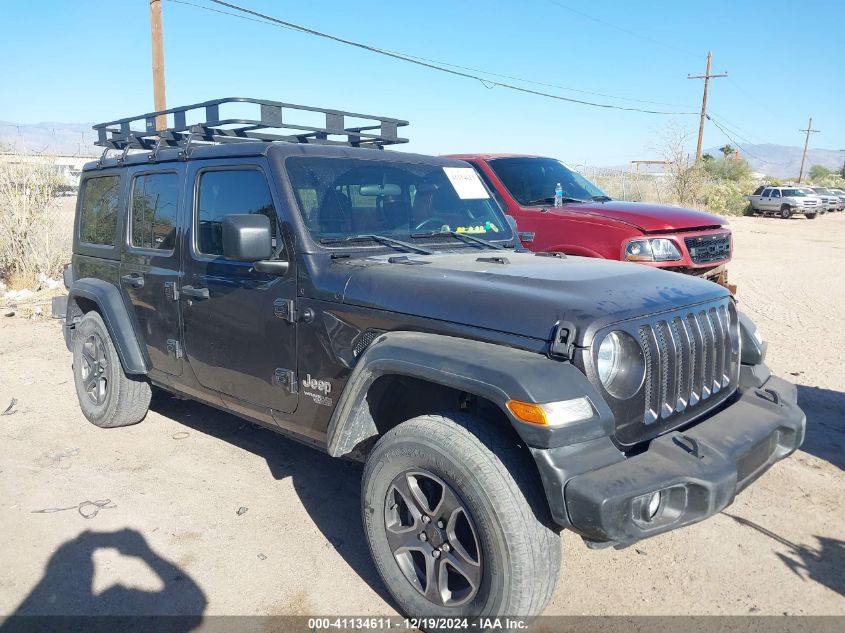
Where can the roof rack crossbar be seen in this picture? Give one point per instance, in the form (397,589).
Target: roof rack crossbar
(271,123)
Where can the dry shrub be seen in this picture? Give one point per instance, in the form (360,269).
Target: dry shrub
(31,241)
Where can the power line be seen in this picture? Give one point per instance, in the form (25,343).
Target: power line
(439,66)
(621,29)
(547,85)
(451,65)
(739,145)
(740,131)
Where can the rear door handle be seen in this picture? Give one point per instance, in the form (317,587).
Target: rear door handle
(196,293)
(135,280)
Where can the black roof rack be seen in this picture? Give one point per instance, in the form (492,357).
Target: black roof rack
(270,124)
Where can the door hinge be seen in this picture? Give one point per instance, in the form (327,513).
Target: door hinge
(286,378)
(285,309)
(174,347)
(170,290)
(527,236)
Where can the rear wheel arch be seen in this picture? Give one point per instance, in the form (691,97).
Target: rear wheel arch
(95,295)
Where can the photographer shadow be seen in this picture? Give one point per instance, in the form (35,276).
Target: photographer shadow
(64,598)
(825,410)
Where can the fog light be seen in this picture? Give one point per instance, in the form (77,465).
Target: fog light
(646,507)
(653,504)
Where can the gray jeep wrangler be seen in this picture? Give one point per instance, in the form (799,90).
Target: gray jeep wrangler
(377,305)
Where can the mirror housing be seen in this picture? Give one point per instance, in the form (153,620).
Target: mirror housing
(247,237)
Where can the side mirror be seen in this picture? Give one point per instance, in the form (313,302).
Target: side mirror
(247,237)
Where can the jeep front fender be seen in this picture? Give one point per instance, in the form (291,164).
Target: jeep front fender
(110,305)
(494,372)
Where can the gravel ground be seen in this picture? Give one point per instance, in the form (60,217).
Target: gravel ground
(199,512)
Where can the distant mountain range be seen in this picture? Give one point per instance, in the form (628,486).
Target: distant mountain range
(66,139)
(77,139)
(784,161)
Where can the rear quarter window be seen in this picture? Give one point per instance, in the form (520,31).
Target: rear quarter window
(98,211)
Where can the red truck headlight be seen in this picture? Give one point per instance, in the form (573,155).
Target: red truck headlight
(657,249)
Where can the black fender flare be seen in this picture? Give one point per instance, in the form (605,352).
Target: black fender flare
(133,356)
(495,372)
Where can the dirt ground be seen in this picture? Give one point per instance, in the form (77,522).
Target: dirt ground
(199,512)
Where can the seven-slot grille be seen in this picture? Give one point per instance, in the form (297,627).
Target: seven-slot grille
(689,357)
(704,249)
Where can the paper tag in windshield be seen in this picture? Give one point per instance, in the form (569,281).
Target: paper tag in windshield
(466,182)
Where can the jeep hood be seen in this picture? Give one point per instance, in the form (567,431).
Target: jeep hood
(526,295)
(645,216)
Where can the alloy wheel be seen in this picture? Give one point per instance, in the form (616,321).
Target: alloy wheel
(95,369)
(433,538)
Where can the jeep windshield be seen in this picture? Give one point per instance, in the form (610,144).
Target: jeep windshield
(532,181)
(350,202)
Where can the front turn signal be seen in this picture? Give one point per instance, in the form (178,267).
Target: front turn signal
(552,414)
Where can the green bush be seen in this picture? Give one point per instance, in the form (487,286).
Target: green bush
(727,197)
(727,169)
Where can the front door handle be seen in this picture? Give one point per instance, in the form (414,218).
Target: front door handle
(196,293)
(134,280)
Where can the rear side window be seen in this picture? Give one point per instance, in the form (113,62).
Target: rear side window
(226,192)
(98,218)
(154,201)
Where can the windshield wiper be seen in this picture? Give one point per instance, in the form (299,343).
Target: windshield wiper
(470,239)
(550,200)
(381,239)
(601,198)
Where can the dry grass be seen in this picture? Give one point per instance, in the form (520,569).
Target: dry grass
(31,241)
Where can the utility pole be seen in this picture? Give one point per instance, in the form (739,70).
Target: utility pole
(706,77)
(160,102)
(809,131)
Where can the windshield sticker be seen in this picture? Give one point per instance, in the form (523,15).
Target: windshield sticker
(466,182)
(487,227)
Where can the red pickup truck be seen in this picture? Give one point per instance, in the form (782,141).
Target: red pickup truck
(590,223)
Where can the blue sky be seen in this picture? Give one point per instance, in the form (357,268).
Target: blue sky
(89,60)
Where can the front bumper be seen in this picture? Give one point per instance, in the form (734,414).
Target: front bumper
(697,472)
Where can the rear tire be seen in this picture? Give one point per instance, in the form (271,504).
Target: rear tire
(459,460)
(108,396)
(786,212)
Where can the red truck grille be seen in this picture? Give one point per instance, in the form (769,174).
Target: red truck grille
(706,249)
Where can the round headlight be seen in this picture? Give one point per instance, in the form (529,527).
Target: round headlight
(620,365)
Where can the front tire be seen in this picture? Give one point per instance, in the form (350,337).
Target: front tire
(108,396)
(786,212)
(457,522)
(810,216)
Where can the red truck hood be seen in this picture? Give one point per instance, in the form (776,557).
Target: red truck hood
(646,216)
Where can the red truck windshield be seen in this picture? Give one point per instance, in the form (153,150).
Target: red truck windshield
(532,180)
